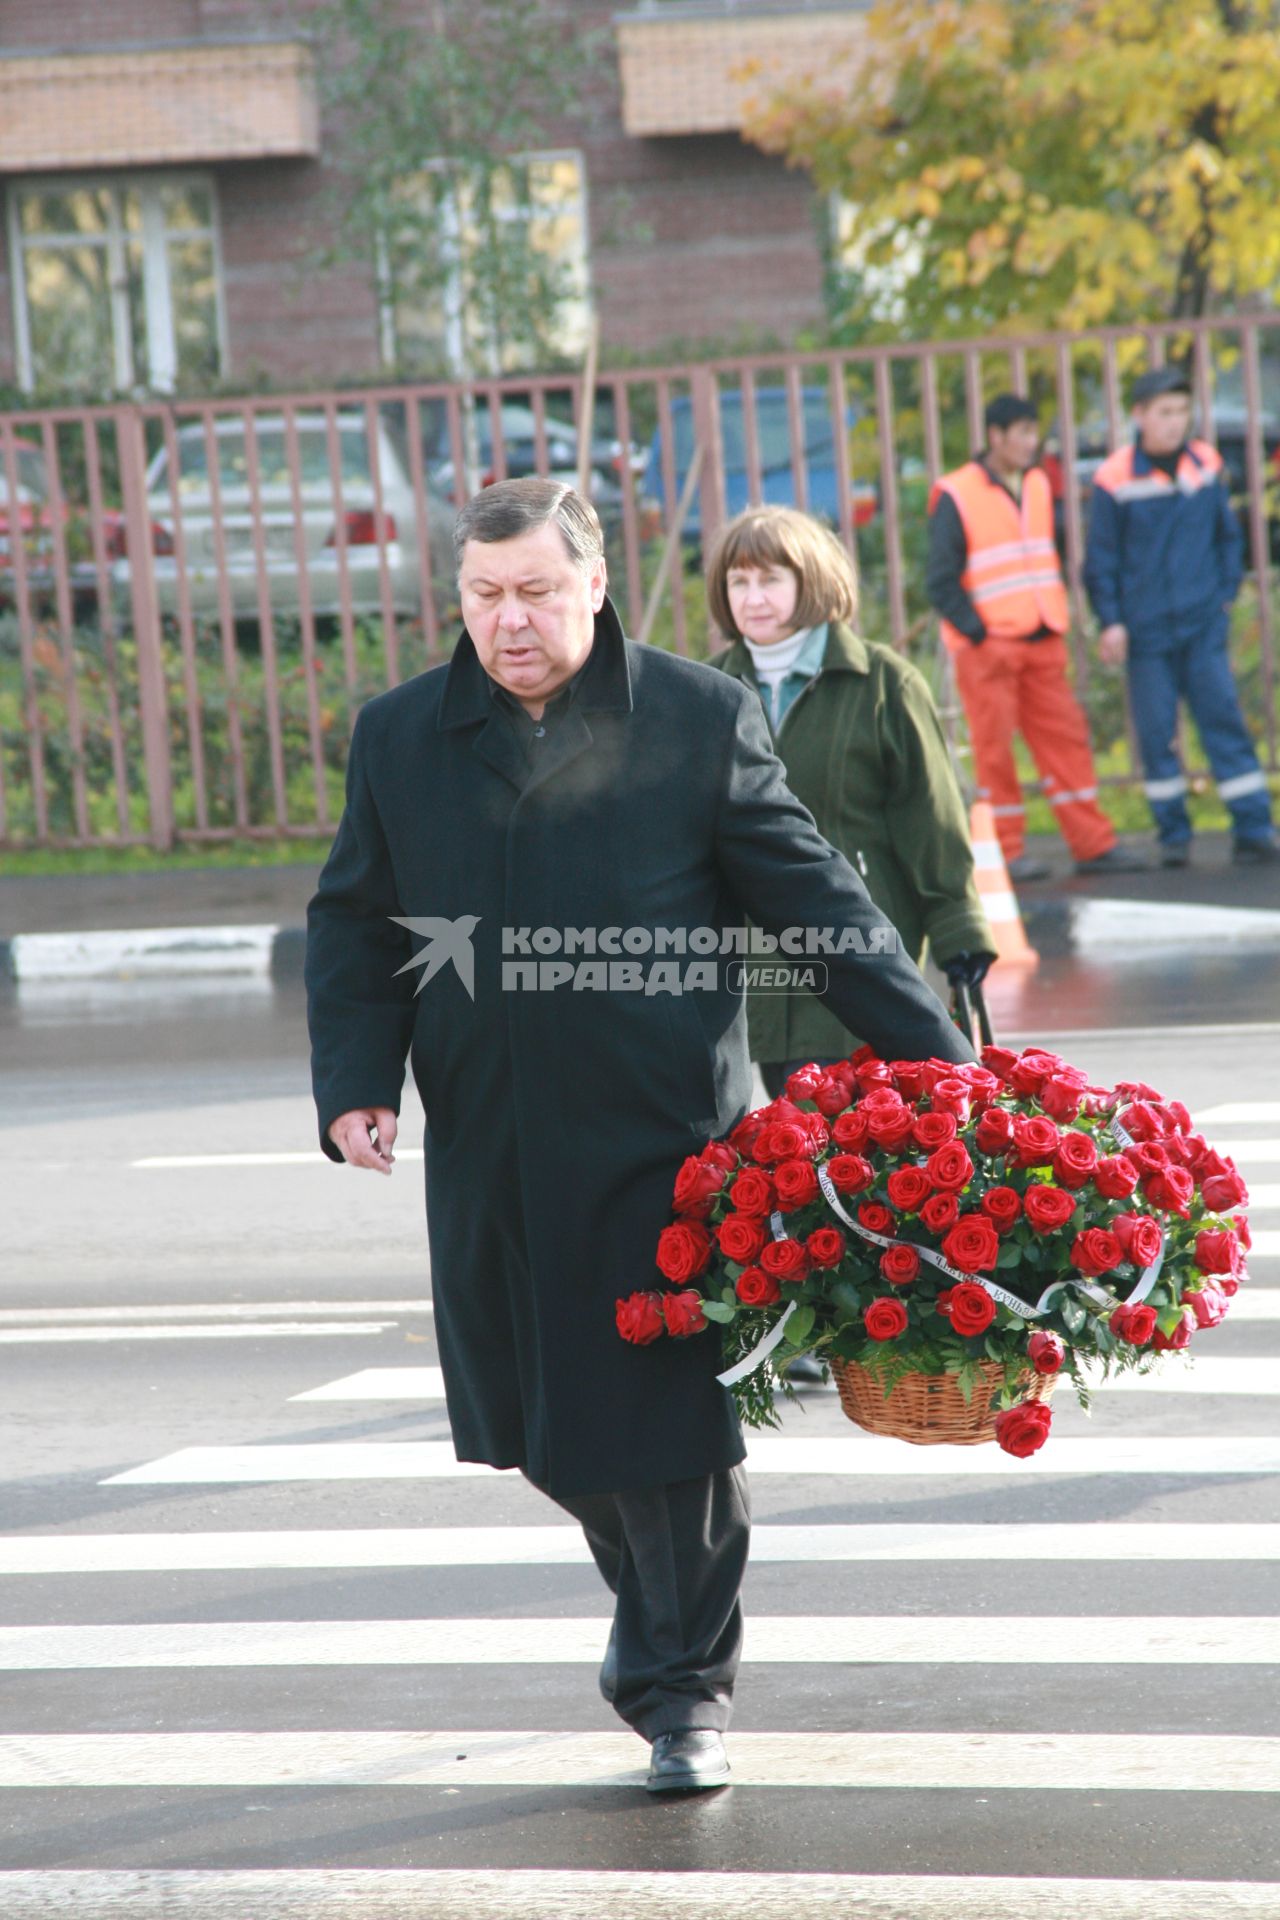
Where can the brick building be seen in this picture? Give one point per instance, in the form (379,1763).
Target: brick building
(167,169)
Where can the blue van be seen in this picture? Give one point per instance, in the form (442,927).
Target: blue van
(773,429)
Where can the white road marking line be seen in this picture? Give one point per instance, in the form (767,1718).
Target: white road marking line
(866,1454)
(1263,1199)
(1232,1113)
(1256,1153)
(1256,1303)
(565,1546)
(1266,1244)
(192,1330)
(432,1893)
(831,1639)
(391,1383)
(967,1762)
(215,1310)
(1259,1374)
(167,1162)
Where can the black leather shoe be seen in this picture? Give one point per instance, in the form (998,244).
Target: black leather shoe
(1255,853)
(609,1666)
(1116,859)
(1025,867)
(691,1760)
(1175,853)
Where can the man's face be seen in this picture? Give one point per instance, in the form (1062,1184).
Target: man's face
(1164,422)
(1015,447)
(530,610)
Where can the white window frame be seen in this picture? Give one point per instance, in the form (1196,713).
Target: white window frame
(161,375)
(454,341)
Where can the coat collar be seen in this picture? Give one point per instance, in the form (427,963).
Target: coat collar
(847,652)
(605,683)
(605,687)
(1143,464)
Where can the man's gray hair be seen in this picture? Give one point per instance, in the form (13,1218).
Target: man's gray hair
(512,507)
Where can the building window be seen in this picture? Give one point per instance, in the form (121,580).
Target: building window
(116,283)
(485,271)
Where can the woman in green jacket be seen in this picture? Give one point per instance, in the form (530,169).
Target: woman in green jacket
(856,727)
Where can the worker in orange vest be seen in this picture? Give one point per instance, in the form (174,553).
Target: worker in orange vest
(995,579)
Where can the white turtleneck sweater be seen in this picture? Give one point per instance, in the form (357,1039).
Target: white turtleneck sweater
(774,662)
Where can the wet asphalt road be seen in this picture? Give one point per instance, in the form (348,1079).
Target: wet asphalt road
(95,1079)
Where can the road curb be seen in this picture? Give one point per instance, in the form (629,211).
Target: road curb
(1089,925)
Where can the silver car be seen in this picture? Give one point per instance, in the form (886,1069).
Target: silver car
(316,495)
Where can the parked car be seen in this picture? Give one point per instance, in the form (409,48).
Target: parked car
(520,450)
(31,517)
(399,541)
(773,427)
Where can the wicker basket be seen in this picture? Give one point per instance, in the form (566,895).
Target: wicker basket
(928,1409)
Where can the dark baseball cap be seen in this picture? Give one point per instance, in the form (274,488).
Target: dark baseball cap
(1158,380)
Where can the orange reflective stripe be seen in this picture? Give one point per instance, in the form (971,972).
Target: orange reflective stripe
(1011,572)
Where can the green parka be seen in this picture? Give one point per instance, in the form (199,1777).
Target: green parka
(864,752)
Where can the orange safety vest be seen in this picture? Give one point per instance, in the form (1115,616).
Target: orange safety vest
(1012,573)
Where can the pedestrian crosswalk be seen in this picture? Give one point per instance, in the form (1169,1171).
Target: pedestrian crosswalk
(909,1614)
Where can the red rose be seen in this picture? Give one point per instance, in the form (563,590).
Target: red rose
(972,1243)
(1140,1236)
(908,1077)
(1095,1251)
(1035,1139)
(1114,1178)
(1075,1160)
(1134,1324)
(1218,1251)
(940,1211)
(639,1318)
(1151,1156)
(930,1130)
(908,1188)
(817,1135)
(1172,1187)
(1140,1121)
(1179,1338)
(1002,1207)
(740,1237)
(825,1246)
(1032,1068)
(885,1319)
(752,1193)
(1046,1352)
(796,1184)
(849,1130)
(683,1313)
(1023,1429)
(801,1084)
(882,1099)
(870,1072)
(875,1218)
(849,1172)
(743,1137)
(697,1184)
(785,1260)
(1240,1227)
(995,1131)
(1209,1305)
(949,1167)
(1062,1093)
(1001,1060)
(1222,1191)
(899,1265)
(890,1131)
(781,1140)
(1048,1208)
(683,1251)
(972,1309)
(950,1096)
(718,1153)
(756,1288)
(831,1095)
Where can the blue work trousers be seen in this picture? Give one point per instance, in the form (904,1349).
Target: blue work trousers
(1199,672)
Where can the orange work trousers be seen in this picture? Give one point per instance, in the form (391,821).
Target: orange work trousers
(1022,686)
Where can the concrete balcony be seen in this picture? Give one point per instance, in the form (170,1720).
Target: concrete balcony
(158,105)
(689,66)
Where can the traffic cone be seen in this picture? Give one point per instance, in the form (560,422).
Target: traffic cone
(999,901)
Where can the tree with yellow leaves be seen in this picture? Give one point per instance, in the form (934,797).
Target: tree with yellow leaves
(1009,165)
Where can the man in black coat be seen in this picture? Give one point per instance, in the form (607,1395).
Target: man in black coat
(545,848)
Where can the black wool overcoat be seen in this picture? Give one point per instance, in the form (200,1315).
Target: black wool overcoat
(557,1119)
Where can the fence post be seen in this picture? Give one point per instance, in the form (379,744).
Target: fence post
(705,393)
(153,703)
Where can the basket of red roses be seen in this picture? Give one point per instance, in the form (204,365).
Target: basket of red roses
(951,1239)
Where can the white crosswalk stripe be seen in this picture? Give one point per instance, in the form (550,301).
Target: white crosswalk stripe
(165,1640)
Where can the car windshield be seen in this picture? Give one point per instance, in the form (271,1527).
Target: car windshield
(273,462)
(772,429)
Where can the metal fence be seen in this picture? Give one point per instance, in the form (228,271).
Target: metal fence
(197,597)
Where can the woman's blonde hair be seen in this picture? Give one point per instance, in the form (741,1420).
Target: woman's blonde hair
(784,537)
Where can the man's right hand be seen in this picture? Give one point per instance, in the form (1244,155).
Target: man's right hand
(1113,645)
(352,1134)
